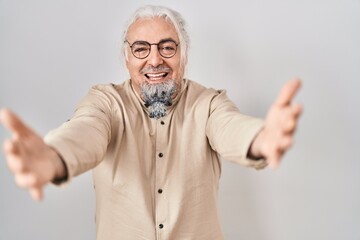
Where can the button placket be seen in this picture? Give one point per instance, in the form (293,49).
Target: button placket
(161,207)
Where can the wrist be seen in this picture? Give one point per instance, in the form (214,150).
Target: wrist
(60,173)
(255,147)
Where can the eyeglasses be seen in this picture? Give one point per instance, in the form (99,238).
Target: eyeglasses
(141,49)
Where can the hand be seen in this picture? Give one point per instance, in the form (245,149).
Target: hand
(32,162)
(280,124)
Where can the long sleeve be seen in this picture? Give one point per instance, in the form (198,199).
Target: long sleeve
(82,141)
(231,133)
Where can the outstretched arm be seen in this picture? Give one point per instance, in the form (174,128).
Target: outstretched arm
(280,123)
(32,161)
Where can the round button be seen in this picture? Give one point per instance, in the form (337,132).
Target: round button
(162,122)
(161,226)
(161,154)
(160,191)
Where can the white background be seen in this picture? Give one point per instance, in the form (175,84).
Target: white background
(52,51)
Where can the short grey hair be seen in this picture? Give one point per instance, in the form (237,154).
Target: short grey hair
(172,16)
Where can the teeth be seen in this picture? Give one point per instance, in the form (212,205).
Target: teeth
(155,76)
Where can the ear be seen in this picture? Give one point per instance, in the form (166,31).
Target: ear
(125,59)
(186,56)
(184,63)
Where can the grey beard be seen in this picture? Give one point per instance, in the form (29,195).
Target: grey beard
(157,97)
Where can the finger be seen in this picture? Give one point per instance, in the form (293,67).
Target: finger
(293,118)
(36,193)
(13,122)
(27,180)
(273,161)
(286,143)
(288,92)
(16,165)
(12,152)
(289,126)
(290,119)
(272,155)
(277,153)
(297,110)
(11,147)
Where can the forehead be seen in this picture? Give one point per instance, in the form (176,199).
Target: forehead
(152,30)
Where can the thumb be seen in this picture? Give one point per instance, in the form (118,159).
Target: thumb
(36,193)
(12,122)
(288,92)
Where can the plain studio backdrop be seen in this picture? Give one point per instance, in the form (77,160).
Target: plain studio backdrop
(53,51)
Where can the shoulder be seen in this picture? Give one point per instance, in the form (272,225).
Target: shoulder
(102,95)
(199,92)
(109,90)
(196,88)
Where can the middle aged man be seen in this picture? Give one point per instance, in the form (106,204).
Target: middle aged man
(155,140)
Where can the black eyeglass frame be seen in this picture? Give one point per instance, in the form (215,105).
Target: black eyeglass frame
(150,44)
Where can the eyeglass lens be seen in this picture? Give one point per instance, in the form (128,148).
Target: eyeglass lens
(141,49)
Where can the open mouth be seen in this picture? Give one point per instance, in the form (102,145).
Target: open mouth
(156,76)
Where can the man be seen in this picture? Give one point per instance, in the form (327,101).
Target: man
(153,141)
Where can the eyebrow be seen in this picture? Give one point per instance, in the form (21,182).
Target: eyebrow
(161,40)
(167,39)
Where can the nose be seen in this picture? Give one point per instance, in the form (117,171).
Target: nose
(154,58)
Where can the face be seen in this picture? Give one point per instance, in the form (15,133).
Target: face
(154,68)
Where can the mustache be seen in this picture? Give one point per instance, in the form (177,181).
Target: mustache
(151,69)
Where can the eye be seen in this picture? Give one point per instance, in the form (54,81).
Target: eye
(168,48)
(168,45)
(140,49)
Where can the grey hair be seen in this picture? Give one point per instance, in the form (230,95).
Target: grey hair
(150,11)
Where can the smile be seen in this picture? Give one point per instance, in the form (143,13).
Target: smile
(156,76)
